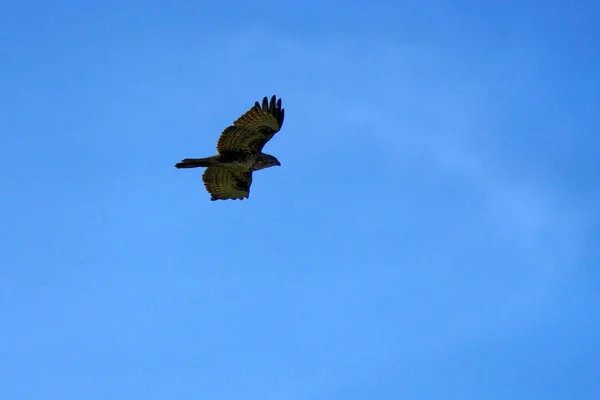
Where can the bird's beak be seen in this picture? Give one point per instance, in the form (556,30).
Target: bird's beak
(278,163)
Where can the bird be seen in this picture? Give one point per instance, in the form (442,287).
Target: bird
(228,174)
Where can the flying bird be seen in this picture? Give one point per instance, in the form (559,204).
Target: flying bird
(228,174)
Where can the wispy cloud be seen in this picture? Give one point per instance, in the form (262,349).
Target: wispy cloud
(414,101)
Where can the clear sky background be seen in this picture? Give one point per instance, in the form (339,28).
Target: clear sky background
(433,231)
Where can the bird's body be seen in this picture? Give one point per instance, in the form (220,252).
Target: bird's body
(237,161)
(228,174)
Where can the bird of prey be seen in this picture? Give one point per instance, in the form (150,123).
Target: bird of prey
(228,174)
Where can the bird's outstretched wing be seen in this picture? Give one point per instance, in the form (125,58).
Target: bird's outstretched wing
(223,183)
(254,129)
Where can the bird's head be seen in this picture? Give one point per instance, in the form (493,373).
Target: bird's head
(268,160)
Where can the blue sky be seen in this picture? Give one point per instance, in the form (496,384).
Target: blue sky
(432,232)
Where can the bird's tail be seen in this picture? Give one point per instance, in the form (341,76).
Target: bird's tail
(196,162)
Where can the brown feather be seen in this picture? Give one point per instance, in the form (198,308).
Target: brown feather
(251,131)
(223,183)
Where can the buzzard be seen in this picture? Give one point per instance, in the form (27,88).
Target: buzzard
(228,175)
